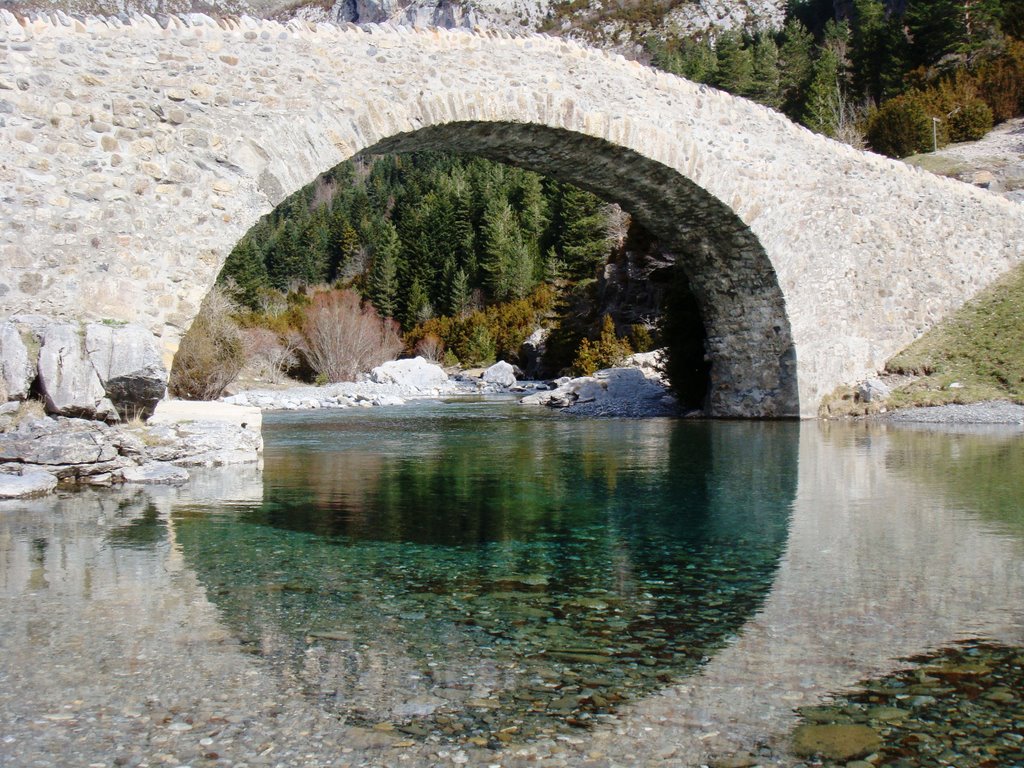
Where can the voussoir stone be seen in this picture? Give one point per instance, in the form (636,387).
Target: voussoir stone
(68,380)
(129,365)
(17,370)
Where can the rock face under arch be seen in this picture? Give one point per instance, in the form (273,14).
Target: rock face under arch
(134,156)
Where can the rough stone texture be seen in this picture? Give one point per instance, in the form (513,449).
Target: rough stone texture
(17,371)
(68,380)
(415,374)
(19,482)
(137,154)
(129,364)
(501,373)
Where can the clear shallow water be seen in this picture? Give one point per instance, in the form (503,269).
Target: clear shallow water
(467,569)
(484,577)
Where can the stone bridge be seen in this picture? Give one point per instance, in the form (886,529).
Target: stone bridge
(134,155)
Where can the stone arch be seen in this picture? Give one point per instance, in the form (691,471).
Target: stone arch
(749,343)
(135,155)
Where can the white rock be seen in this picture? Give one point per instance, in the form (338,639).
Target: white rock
(130,367)
(27,482)
(500,373)
(16,370)
(872,390)
(155,472)
(388,400)
(69,381)
(415,374)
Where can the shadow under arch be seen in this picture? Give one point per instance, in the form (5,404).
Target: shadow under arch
(452,552)
(753,366)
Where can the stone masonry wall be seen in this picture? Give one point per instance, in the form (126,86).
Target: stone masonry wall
(133,156)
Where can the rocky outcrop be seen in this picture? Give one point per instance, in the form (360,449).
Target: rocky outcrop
(129,366)
(88,451)
(95,371)
(531,352)
(17,369)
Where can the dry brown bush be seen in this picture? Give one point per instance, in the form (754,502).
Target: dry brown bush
(345,337)
(430,347)
(268,354)
(211,353)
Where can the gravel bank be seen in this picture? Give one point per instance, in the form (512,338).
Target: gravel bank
(990,412)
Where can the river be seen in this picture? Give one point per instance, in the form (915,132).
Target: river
(480,583)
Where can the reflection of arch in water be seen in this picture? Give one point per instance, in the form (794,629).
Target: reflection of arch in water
(677,529)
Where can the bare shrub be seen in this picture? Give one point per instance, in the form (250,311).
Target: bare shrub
(345,337)
(211,353)
(269,355)
(430,347)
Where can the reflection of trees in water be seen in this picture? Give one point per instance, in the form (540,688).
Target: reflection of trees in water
(547,569)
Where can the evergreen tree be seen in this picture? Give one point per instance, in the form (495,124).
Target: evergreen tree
(735,72)
(581,225)
(343,244)
(796,67)
(821,110)
(765,80)
(459,294)
(383,282)
(245,273)
(505,260)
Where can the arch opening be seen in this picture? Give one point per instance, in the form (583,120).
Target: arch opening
(748,343)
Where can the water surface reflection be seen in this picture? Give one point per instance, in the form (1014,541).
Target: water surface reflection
(675,588)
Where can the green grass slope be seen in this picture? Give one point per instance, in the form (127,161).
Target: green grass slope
(977,354)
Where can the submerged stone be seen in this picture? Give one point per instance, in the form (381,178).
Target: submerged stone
(835,741)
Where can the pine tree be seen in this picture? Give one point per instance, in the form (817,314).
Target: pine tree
(245,273)
(735,72)
(383,283)
(795,67)
(505,259)
(821,110)
(764,87)
(582,227)
(459,294)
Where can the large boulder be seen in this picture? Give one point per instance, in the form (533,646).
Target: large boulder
(416,374)
(17,369)
(501,373)
(129,365)
(68,380)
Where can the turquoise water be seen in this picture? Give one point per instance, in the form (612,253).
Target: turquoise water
(473,569)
